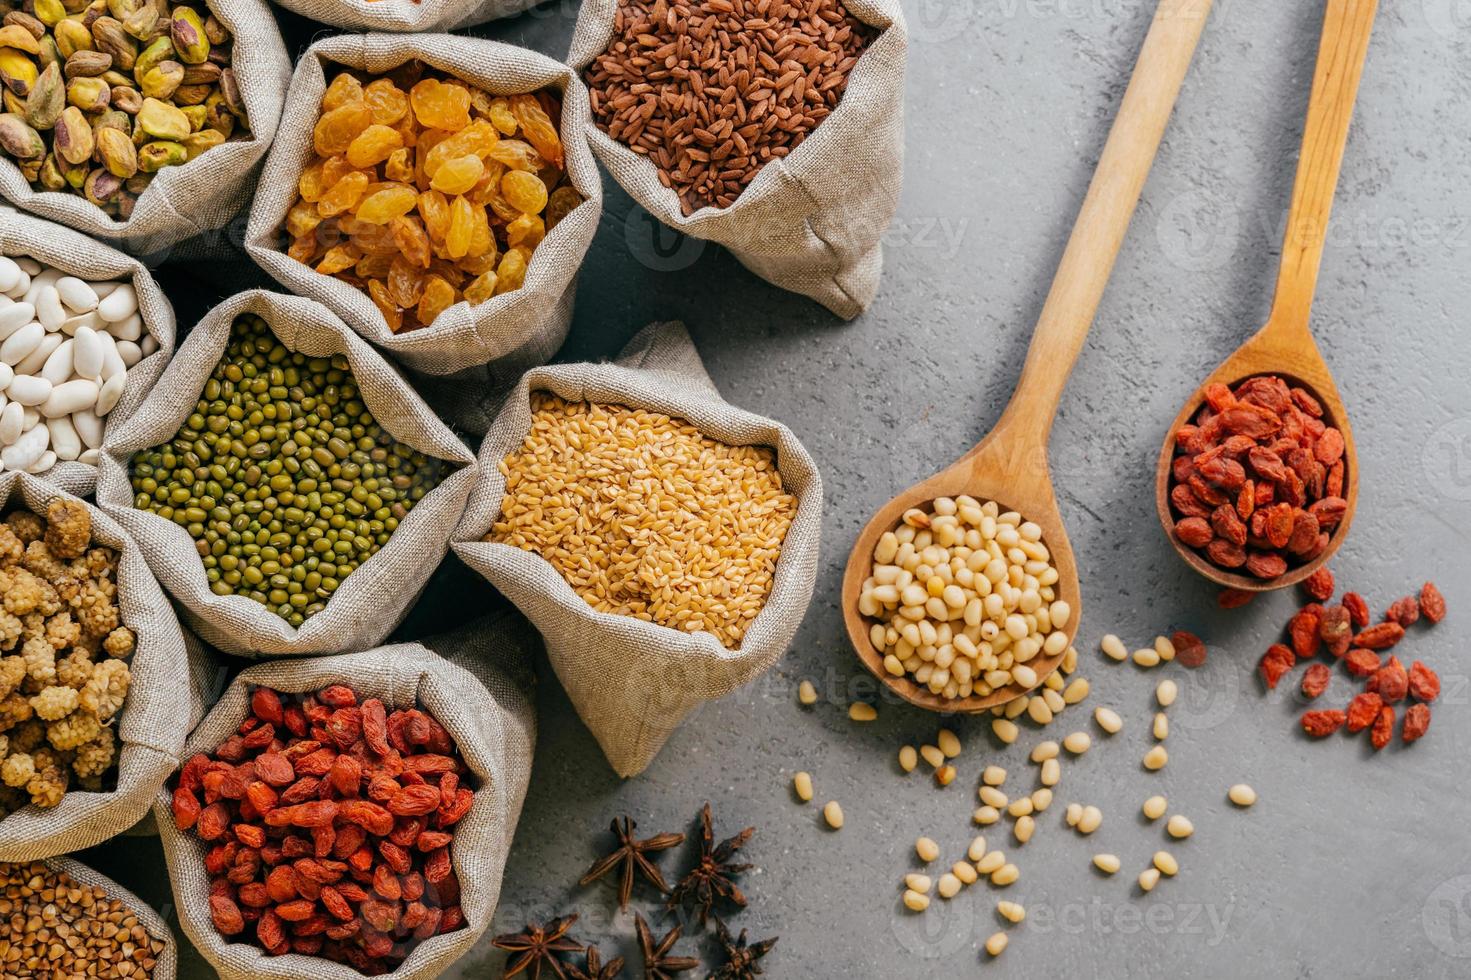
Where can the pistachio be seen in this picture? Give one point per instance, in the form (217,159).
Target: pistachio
(117,152)
(205,74)
(75,174)
(218,114)
(197,115)
(51,176)
(112,119)
(126,98)
(50,53)
(123,9)
(138,183)
(155,53)
(153,157)
(87,64)
(109,36)
(13,103)
(190,41)
(143,23)
(20,18)
(18,37)
(216,31)
(230,89)
(18,139)
(192,94)
(101,187)
(125,204)
(205,139)
(17,71)
(71,36)
(162,120)
(115,78)
(47,98)
(161,81)
(88,94)
(50,12)
(72,136)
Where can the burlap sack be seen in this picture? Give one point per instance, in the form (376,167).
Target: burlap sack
(475,683)
(484,345)
(204,194)
(75,253)
(167,965)
(400,16)
(811,222)
(372,600)
(633,682)
(151,727)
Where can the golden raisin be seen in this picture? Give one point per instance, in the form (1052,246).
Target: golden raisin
(438,296)
(458,175)
(302,219)
(336,130)
(526,230)
(412,241)
(405,282)
(562,202)
(386,101)
(517,155)
(440,106)
(373,145)
(345,88)
(400,165)
(511,272)
(502,117)
(344,195)
(392,315)
(461,228)
(537,127)
(338,257)
(481,289)
(523,191)
(385,205)
(311,185)
(434,209)
(476,138)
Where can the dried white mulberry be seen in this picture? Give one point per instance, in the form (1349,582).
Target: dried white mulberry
(107,690)
(68,527)
(40,660)
(17,769)
(97,756)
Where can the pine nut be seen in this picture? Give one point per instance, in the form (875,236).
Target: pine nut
(1155,758)
(1107,863)
(1016,708)
(908,758)
(1024,675)
(1020,807)
(1241,794)
(1054,681)
(948,887)
(993,776)
(1090,820)
(1161,727)
(916,902)
(1164,648)
(1005,875)
(1038,711)
(1108,720)
(991,862)
(1069,660)
(1073,814)
(945,775)
(802,783)
(948,742)
(1154,807)
(986,815)
(1148,878)
(1165,692)
(1005,730)
(1051,772)
(1166,863)
(927,849)
(833,814)
(1076,691)
(1147,657)
(965,871)
(806,693)
(1023,828)
(1054,702)
(977,849)
(862,711)
(1011,911)
(1114,647)
(1078,742)
(932,755)
(917,883)
(1041,798)
(1044,751)
(996,944)
(1179,826)
(991,796)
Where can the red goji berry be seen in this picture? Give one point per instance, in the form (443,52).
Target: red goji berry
(1358,609)
(1363,710)
(337,696)
(1336,630)
(1404,611)
(1432,603)
(414,801)
(1383,729)
(1315,680)
(1361,662)
(298,910)
(1424,682)
(1276,662)
(1319,585)
(226,915)
(1303,629)
(1234,598)
(1417,722)
(1322,723)
(1390,682)
(186,808)
(1380,636)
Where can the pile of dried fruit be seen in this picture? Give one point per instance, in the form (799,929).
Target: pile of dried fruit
(55,926)
(713,90)
(64,675)
(1318,628)
(330,824)
(121,90)
(644,516)
(426,191)
(1258,480)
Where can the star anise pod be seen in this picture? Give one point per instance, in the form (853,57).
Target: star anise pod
(740,957)
(658,964)
(536,947)
(630,856)
(710,878)
(596,969)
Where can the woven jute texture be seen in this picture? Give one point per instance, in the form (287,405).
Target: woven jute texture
(633,682)
(811,222)
(150,728)
(487,346)
(79,255)
(166,968)
(205,193)
(372,600)
(475,682)
(393,16)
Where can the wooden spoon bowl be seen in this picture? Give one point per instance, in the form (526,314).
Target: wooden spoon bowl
(1285,346)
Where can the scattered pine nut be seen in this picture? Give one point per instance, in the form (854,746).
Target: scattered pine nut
(1078,742)
(862,711)
(1148,878)
(1155,758)
(1179,826)
(927,849)
(1041,798)
(1114,647)
(1076,691)
(1005,875)
(1038,711)
(977,849)
(991,862)
(802,783)
(948,886)
(1051,772)
(1154,807)
(996,944)
(993,776)
(1108,720)
(932,755)
(833,814)
(1023,829)
(1107,863)
(1011,911)
(1073,814)
(1164,648)
(1147,657)
(915,901)
(1044,751)
(1069,660)
(948,742)
(1161,727)
(1055,703)
(1166,863)
(1165,692)
(945,775)
(986,815)
(1015,708)
(1241,794)
(1054,681)
(917,883)
(965,871)
(991,796)
(908,758)
(806,693)
(1090,820)
(1005,730)
(1020,807)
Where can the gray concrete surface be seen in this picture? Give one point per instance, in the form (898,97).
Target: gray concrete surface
(1352,864)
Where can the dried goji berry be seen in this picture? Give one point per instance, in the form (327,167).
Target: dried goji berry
(297,910)
(452,918)
(1336,629)
(1383,729)
(1303,630)
(1361,662)
(1358,609)
(450,813)
(412,886)
(1417,722)
(1424,682)
(407,830)
(1432,603)
(275,769)
(375,726)
(1194,532)
(1234,598)
(337,696)
(1363,710)
(345,726)
(1185,501)
(255,894)
(318,763)
(413,801)
(1322,723)
(335,904)
(1266,564)
(1404,611)
(1315,680)
(1390,682)
(1380,636)
(300,791)
(213,822)
(281,883)
(396,857)
(1319,585)
(323,840)
(1277,661)
(437,866)
(345,774)
(1329,511)
(432,840)
(386,883)
(226,915)
(373,818)
(186,809)
(249,834)
(1225,553)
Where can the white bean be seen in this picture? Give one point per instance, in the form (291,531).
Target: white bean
(26,450)
(49,310)
(1179,826)
(89,428)
(833,814)
(1156,758)
(1154,807)
(1165,693)
(76,294)
(72,396)
(87,353)
(111,391)
(1107,863)
(18,346)
(120,304)
(47,460)
(10,422)
(37,358)
(58,366)
(128,354)
(1114,647)
(29,390)
(15,316)
(802,784)
(64,438)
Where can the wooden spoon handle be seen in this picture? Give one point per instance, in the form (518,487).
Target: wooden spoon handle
(1104,218)
(1346,28)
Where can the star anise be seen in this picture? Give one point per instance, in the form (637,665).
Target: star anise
(536,947)
(596,969)
(630,855)
(740,957)
(710,878)
(658,964)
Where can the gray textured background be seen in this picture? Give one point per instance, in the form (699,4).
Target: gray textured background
(1351,864)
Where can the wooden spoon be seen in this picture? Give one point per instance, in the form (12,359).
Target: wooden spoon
(1009,466)
(1285,346)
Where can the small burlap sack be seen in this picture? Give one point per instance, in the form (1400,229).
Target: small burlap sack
(396,16)
(631,681)
(75,253)
(372,600)
(475,682)
(204,194)
(811,222)
(486,345)
(167,965)
(150,728)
